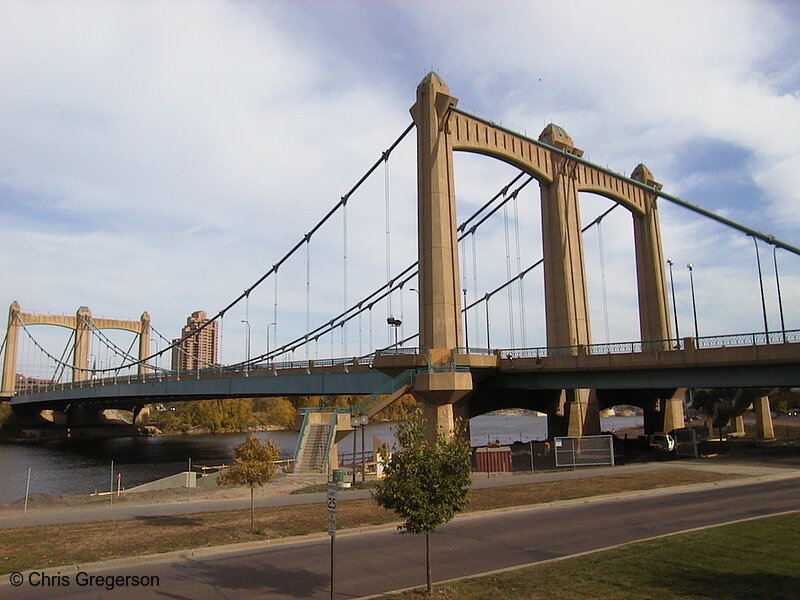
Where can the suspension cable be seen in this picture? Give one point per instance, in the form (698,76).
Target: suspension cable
(521,287)
(769,239)
(603,276)
(508,276)
(522,274)
(344,275)
(389,310)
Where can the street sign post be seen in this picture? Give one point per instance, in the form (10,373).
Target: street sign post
(332,487)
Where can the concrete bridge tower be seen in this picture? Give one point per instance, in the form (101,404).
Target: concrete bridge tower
(440,297)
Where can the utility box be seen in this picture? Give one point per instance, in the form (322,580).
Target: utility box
(493,459)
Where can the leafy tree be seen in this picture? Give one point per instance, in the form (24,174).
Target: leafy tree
(426,484)
(276,411)
(253,465)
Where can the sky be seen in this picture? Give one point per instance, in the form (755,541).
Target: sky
(162,156)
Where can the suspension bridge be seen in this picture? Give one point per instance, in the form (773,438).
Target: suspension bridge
(450,365)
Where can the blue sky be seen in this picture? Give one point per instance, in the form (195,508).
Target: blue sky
(160,156)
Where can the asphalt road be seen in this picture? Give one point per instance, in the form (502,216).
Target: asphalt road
(384,560)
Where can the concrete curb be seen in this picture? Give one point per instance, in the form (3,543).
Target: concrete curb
(312,537)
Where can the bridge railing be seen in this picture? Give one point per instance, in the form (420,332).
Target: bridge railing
(400,350)
(474,350)
(713,341)
(749,339)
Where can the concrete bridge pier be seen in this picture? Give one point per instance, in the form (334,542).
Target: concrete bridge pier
(736,427)
(764,427)
(442,396)
(582,412)
(141,414)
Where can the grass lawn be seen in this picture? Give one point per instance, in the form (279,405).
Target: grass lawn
(53,545)
(752,560)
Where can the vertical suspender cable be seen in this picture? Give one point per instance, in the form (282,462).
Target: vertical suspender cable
(247,319)
(521,290)
(463,259)
(371,346)
(221,329)
(475,278)
(603,278)
(308,291)
(508,276)
(402,316)
(360,340)
(275,309)
(344,275)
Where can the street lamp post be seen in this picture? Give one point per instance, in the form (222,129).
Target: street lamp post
(674,307)
(247,343)
(395,323)
(780,300)
(761,287)
(694,304)
(466,322)
(486,298)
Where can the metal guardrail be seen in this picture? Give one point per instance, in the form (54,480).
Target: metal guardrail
(400,350)
(474,350)
(714,341)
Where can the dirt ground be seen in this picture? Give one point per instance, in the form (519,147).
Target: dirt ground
(282,484)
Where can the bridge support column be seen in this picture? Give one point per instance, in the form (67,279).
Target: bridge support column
(566,306)
(144,343)
(654,321)
(440,394)
(583,414)
(141,415)
(80,354)
(439,280)
(736,428)
(765,430)
(672,408)
(10,358)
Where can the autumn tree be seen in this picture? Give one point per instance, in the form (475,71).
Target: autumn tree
(426,484)
(253,465)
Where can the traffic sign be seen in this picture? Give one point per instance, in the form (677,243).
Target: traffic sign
(332,487)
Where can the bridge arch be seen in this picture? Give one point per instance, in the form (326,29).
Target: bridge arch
(556,163)
(82,323)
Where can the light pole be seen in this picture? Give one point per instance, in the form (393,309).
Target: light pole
(486,298)
(268,326)
(674,307)
(780,300)
(761,286)
(247,341)
(395,323)
(466,322)
(694,305)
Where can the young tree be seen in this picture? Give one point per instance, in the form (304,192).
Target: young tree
(253,465)
(426,484)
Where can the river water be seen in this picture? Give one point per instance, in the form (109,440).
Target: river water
(84,466)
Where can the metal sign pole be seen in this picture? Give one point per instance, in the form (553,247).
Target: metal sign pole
(332,531)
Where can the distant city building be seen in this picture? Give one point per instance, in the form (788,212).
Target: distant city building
(25,383)
(198,351)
